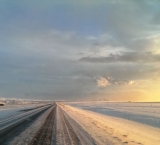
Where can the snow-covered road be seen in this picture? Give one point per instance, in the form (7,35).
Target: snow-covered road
(62,124)
(68,131)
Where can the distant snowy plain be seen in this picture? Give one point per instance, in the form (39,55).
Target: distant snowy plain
(13,106)
(8,111)
(145,113)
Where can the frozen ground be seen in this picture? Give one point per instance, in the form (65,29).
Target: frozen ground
(145,113)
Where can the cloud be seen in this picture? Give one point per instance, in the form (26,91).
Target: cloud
(40,44)
(102,82)
(131,82)
(128,57)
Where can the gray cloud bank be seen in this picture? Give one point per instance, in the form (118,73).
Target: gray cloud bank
(60,49)
(132,57)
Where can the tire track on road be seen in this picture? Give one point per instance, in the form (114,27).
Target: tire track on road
(44,134)
(71,137)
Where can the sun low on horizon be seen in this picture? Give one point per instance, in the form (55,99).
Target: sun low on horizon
(80,50)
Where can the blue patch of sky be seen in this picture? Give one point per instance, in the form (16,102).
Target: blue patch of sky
(62,17)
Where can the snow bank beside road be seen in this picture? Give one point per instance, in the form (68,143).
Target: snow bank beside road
(117,130)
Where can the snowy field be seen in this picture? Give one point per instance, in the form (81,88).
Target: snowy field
(118,123)
(13,106)
(145,113)
(8,111)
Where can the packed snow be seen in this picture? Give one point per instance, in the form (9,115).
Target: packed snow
(26,136)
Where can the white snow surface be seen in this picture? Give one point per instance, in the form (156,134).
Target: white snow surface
(114,129)
(8,111)
(145,113)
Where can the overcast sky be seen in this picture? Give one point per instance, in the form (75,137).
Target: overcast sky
(80,49)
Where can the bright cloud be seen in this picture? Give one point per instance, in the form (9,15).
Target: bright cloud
(131,82)
(102,82)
